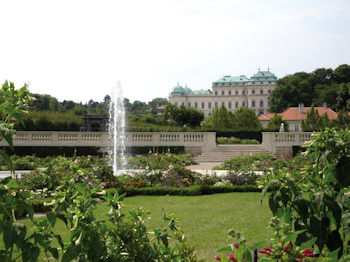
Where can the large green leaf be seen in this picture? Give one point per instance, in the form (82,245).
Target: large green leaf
(14,233)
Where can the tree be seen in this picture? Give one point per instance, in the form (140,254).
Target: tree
(342,74)
(156,102)
(275,123)
(182,115)
(315,88)
(219,119)
(343,119)
(244,118)
(313,121)
(343,98)
(138,107)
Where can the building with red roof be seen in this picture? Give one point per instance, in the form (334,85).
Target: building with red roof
(294,115)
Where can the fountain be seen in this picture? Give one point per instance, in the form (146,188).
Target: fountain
(116,129)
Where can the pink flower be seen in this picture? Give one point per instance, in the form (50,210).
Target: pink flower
(286,250)
(236,245)
(171,167)
(232,257)
(266,163)
(140,167)
(217,258)
(264,252)
(147,167)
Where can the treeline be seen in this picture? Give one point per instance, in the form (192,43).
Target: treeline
(48,114)
(322,85)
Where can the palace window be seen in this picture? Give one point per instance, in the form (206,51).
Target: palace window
(253,92)
(216,104)
(223,93)
(253,103)
(236,93)
(196,105)
(261,91)
(229,93)
(261,103)
(236,104)
(189,104)
(243,104)
(269,91)
(243,92)
(216,93)
(229,105)
(202,105)
(209,105)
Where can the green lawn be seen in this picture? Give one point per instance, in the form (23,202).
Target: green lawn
(205,220)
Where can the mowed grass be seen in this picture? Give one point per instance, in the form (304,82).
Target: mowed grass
(205,220)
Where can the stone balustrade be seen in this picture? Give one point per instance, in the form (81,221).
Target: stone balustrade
(194,142)
(282,143)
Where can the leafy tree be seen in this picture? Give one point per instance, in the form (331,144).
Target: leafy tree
(156,102)
(342,74)
(182,115)
(313,121)
(244,118)
(317,87)
(343,98)
(275,123)
(220,118)
(138,107)
(343,119)
(68,105)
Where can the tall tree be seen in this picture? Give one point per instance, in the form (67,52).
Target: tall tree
(343,98)
(275,123)
(220,118)
(313,121)
(245,118)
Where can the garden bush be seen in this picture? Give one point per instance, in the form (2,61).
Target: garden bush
(235,140)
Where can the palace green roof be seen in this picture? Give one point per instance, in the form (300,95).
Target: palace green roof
(181,90)
(264,76)
(234,79)
(201,92)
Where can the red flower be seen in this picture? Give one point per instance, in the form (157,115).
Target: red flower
(232,257)
(268,249)
(286,250)
(236,245)
(307,253)
(217,258)
(264,252)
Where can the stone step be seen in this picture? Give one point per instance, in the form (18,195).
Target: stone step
(224,152)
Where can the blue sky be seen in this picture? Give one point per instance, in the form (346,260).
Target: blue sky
(77,50)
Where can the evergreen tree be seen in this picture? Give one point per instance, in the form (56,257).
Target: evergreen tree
(275,124)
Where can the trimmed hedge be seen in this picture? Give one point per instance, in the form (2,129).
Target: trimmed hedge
(40,151)
(183,191)
(257,135)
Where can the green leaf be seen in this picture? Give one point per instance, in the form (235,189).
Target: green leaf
(258,245)
(14,233)
(6,159)
(12,184)
(51,217)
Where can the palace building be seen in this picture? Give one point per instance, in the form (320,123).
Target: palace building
(231,91)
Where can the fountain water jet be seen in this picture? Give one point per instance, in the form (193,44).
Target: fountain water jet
(116,129)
